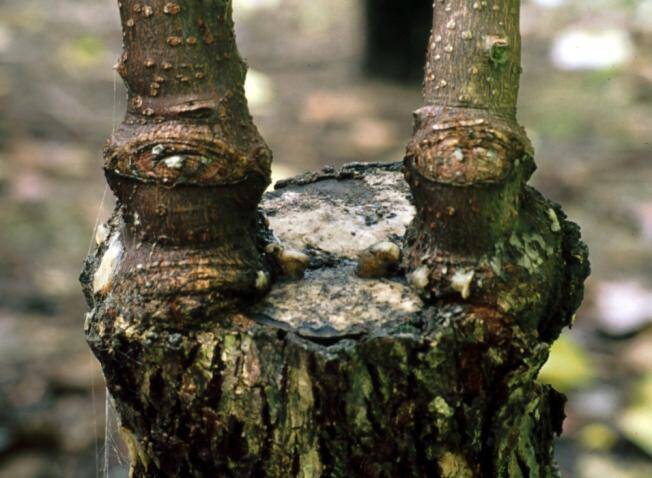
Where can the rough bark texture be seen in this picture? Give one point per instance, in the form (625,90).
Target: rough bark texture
(337,376)
(467,166)
(187,164)
(428,371)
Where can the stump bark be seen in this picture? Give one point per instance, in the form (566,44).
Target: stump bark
(334,375)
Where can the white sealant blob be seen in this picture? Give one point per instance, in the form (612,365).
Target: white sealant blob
(461,282)
(292,255)
(174,162)
(387,248)
(101,234)
(419,279)
(108,265)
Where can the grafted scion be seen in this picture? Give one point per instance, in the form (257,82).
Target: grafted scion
(469,161)
(187,164)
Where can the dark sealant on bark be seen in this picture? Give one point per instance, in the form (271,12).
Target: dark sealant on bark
(362,360)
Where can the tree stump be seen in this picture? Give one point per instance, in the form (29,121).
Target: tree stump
(335,375)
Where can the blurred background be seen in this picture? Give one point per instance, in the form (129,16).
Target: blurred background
(330,83)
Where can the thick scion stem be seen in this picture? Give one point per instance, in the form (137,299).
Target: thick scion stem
(474,56)
(469,159)
(187,164)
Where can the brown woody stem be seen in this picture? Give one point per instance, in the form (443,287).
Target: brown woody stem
(468,161)
(474,56)
(187,164)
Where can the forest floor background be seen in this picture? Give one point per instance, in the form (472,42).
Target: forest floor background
(586,101)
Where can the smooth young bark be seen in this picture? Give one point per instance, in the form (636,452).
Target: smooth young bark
(362,367)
